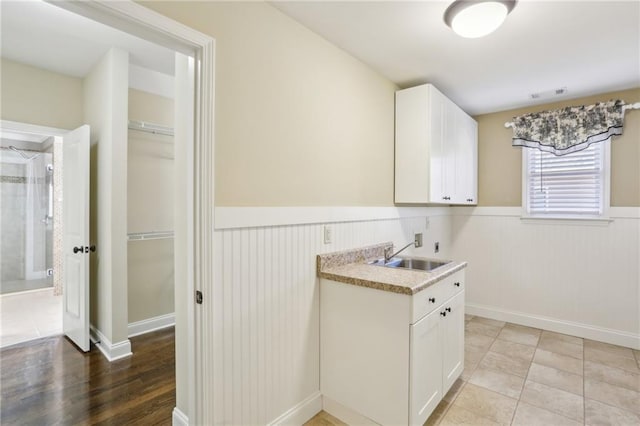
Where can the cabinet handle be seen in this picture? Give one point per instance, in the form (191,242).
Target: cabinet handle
(448,309)
(432,299)
(456,284)
(444,314)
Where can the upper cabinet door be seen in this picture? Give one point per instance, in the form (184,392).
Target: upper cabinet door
(437,146)
(412,145)
(435,149)
(466,175)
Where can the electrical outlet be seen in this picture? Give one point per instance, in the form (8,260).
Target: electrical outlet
(328,234)
(418,240)
(436,247)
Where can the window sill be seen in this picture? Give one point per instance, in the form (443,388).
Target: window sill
(566,220)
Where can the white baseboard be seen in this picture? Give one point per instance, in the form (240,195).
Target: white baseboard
(179,418)
(111,351)
(345,414)
(152,324)
(615,337)
(301,412)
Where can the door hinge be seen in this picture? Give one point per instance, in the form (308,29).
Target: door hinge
(198,297)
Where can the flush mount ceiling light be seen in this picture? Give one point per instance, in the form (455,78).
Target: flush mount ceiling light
(477,18)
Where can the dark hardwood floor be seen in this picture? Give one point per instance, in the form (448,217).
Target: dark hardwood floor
(48,381)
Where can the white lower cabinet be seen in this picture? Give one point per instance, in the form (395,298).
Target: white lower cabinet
(437,357)
(452,341)
(425,380)
(390,358)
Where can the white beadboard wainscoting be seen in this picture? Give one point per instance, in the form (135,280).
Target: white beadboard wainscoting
(574,277)
(265,327)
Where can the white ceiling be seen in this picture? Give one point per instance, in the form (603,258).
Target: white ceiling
(589,47)
(46,36)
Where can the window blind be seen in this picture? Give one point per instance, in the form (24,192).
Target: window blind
(568,185)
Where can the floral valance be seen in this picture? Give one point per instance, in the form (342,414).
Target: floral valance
(570,129)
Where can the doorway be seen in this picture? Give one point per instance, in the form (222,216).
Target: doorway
(194,234)
(31,307)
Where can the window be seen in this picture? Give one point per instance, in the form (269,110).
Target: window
(575,185)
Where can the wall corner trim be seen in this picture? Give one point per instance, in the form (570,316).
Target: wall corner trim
(301,412)
(151,324)
(111,351)
(249,217)
(178,418)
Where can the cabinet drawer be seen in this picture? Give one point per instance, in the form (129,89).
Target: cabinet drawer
(454,285)
(434,296)
(429,299)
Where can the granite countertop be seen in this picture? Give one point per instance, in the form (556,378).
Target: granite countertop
(350,267)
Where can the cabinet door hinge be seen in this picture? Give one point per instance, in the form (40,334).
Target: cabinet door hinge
(198,297)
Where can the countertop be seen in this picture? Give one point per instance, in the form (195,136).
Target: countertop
(350,267)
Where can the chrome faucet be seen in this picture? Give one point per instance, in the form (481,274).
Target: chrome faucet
(416,243)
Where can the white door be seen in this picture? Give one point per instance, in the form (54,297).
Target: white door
(453,341)
(76,247)
(425,374)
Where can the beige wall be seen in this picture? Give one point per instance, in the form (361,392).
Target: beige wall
(36,96)
(298,121)
(150,207)
(145,106)
(500,164)
(150,279)
(150,166)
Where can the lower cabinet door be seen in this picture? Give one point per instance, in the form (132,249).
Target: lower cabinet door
(452,340)
(425,370)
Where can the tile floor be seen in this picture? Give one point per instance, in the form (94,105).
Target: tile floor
(29,315)
(516,375)
(7,287)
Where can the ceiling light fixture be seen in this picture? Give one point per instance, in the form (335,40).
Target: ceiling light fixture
(477,18)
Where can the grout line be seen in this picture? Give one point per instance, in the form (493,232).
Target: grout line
(526,377)
(584,388)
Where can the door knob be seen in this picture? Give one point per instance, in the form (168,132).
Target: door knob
(432,299)
(92,248)
(78,249)
(448,309)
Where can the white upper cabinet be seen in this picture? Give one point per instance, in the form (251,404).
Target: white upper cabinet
(436,149)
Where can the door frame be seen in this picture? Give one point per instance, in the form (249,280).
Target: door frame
(139,21)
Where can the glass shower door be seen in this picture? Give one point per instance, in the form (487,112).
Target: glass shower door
(26,224)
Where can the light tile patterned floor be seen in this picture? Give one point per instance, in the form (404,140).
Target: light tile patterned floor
(29,315)
(525,376)
(516,375)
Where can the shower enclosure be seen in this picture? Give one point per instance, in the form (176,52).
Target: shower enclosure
(26,223)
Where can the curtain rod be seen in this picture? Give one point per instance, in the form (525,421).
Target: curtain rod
(143,126)
(624,108)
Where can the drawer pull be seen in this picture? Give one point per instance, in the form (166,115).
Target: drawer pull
(432,299)
(448,309)
(457,284)
(444,314)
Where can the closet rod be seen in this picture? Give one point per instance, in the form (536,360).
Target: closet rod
(153,235)
(143,126)
(624,108)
